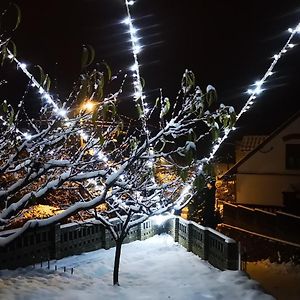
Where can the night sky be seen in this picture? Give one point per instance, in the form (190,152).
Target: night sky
(228,44)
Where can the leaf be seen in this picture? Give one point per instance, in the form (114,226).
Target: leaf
(18,16)
(105,109)
(232,119)
(95,115)
(48,84)
(139,109)
(215,133)
(11,116)
(143,82)
(84,57)
(42,74)
(165,108)
(183,174)
(211,95)
(108,70)
(14,48)
(87,56)
(4,106)
(199,183)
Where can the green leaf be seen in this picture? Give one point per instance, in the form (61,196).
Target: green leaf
(143,82)
(166,107)
(139,109)
(199,183)
(101,139)
(95,115)
(232,119)
(108,70)
(183,174)
(87,56)
(215,133)
(13,48)
(4,106)
(211,95)
(11,116)
(42,74)
(105,109)
(18,20)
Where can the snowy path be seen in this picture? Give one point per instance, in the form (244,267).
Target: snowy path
(154,269)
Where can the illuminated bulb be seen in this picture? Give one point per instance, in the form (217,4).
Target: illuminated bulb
(10,56)
(134,67)
(27,136)
(284,51)
(133,30)
(89,106)
(41,90)
(138,94)
(130,2)
(134,39)
(62,112)
(249,91)
(290,30)
(291,45)
(33,84)
(126,21)
(137,49)
(23,66)
(276,56)
(258,90)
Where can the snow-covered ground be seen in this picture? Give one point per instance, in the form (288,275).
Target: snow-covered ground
(156,269)
(282,280)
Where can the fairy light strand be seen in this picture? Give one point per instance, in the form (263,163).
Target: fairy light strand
(136,48)
(258,88)
(35,83)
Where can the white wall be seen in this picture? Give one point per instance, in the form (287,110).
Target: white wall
(271,158)
(263,189)
(262,178)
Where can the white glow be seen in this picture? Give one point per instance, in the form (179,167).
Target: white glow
(132,30)
(27,136)
(290,30)
(126,21)
(291,45)
(10,56)
(130,2)
(137,49)
(62,112)
(134,67)
(160,219)
(23,66)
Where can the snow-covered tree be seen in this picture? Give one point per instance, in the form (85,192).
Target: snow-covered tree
(88,158)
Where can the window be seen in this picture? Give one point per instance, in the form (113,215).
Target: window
(292,156)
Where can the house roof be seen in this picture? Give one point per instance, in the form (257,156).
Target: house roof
(249,142)
(233,169)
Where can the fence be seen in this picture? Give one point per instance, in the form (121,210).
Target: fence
(58,241)
(278,225)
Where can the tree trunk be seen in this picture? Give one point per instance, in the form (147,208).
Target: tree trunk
(117,262)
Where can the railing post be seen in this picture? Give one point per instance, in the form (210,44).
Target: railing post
(176,229)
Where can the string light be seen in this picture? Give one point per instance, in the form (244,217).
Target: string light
(258,87)
(136,49)
(34,83)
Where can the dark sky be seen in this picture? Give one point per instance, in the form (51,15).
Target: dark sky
(228,44)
